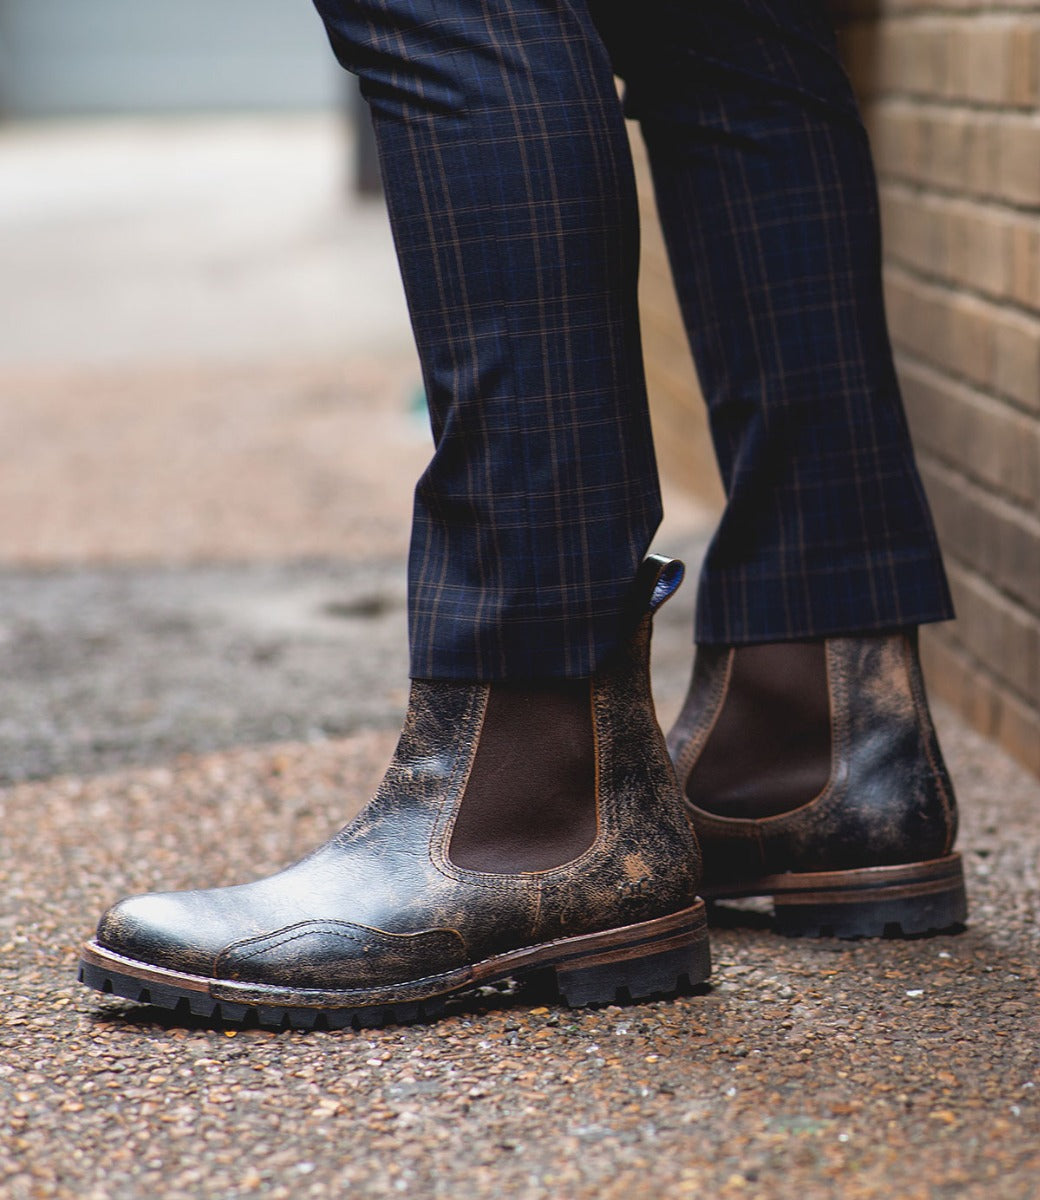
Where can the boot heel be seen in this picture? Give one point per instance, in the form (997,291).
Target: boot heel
(638,967)
(903,900)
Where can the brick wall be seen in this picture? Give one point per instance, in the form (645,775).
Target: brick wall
(951,96)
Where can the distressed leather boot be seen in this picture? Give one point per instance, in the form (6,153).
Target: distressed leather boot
(813,776)
(519,831)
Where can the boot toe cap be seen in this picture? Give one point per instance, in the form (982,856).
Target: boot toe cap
(194,934)
(164,929)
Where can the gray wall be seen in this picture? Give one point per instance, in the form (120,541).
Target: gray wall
(117,56)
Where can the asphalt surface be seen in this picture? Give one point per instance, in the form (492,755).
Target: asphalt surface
(201,639)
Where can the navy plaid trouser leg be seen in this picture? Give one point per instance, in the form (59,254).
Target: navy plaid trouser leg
(768,202)
(512,203)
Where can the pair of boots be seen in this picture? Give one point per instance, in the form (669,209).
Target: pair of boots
(523,832)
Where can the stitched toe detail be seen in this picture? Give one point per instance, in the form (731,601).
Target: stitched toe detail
(340,955)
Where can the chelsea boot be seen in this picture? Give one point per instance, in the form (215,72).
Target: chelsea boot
(520,831)
(813,776)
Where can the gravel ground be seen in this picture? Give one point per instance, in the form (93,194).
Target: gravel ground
(201,665)
(808,1069)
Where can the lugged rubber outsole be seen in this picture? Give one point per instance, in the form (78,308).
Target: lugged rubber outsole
(904,900)
(652,959)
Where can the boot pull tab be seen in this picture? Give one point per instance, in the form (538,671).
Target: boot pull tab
(657,580)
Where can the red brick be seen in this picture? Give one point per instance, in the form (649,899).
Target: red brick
(990,442)
(958,149)
(1019,160)
(992,59)
(991,345)
(965,242)
(951,329)
(965,683)
(979,245)
(997,631)
(1016,362)
(986,533)
(981,59)
(1025,262)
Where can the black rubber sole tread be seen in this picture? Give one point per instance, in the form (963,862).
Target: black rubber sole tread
(617,967)
(724,916)
(903,901)
(879,922)
(199,1007)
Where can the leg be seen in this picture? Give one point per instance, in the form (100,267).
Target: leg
(768,203)
(529,823)
(802,753)
(510,189)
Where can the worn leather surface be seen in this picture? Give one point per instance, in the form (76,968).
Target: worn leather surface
(887,798)
(382,902)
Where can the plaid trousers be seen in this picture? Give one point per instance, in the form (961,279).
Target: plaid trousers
(512,201)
